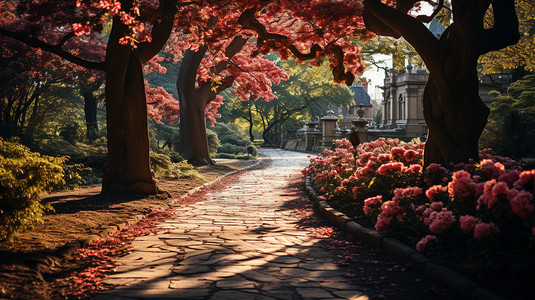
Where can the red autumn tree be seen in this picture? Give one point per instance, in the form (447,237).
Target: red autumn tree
(218,53)
(308,30)
(70,30)
(221,58)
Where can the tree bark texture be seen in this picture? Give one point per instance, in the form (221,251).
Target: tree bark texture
(128,167)
(90,109)
(193,101)
(454,112)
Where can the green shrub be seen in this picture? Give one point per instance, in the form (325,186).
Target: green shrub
(173,155)
(24,177)
(233,149)
(213,142)
(252,151)
(230,133)
(79,175)
(233,156)
(234,142)
(163,167)
(72,132)
(84,161)
(90,155)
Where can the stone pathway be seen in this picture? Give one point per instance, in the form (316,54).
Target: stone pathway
(243,243)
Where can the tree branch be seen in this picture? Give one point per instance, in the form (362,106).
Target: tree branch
(247,20)
(232,49)
(65,38)
(401,24)
(505,31)
(55,49)
(161,30)
(427,19)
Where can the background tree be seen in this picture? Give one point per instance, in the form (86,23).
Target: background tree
(69,31)
(521,55)
(26,76)
(305,95)
(89,83)
(453,110)
(511,120)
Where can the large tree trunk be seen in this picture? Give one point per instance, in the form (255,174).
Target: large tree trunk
(90,111)
(193,137)
(128,167)
(453,110)
(193,101)
(250,120)
(455,119)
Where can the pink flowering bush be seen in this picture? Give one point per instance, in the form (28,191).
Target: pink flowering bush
(369,170)
(478,210)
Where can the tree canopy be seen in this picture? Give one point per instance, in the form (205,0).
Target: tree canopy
(520,55)
(319,30)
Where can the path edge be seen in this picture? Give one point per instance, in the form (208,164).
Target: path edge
(68,250)
(394,248)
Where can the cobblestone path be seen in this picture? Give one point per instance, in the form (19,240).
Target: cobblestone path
(243,243)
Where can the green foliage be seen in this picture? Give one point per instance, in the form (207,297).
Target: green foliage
(163,167)
(510,131)
(230,148)
(72,133)
(92,155)
(234,143)
(84,162)
(305,95)
(163,136)
(521,55)
(213,142)
(379,117)
(24,177)
(173,155)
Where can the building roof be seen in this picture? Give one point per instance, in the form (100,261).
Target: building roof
(436,28)
(361,96)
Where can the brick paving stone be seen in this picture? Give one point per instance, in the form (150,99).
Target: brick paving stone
(315,293)
(188,283)
(236,283)
(245,295)
(242,242)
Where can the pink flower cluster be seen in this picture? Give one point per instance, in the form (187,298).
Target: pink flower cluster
(371,204)
(347,171)
(441,222)
(394,209)
(436,191)
(461,185)
(424,242)
(485,230)
(467,200)
(468,223)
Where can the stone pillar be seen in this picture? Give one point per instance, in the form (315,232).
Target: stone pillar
(311,136)
(329,127)
(359,131)
(284,137)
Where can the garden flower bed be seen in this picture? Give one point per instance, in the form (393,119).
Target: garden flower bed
(475,218)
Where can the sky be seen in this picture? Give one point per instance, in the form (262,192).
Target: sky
(377,75)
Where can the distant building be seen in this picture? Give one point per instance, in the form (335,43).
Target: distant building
(361,97)
(401,107)
(402,104)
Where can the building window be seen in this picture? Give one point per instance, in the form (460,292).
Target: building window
(401,106)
